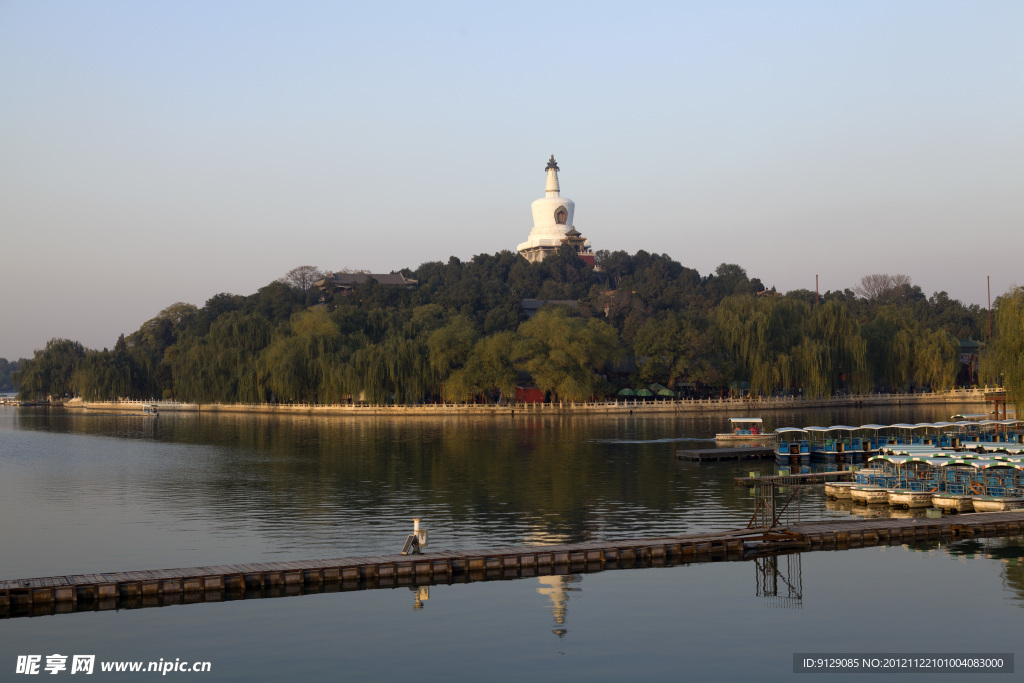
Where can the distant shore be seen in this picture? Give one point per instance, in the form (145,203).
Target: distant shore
(744,405)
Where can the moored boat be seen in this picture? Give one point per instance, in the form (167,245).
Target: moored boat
(997,503)
(869,495)
(745,429)
(953,502)
(840,489)
(792,442)
(909,498)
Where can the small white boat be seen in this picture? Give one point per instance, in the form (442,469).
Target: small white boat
(996,503)
(909,499)
(745,429)
(869,495)
(953,502)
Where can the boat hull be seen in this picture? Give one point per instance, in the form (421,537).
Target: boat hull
(869,495)
(951,502)
(996,503)
(839,489)
(767,438)
(909,499)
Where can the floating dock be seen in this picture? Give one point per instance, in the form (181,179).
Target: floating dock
(796,479)
(158,588)
(738,453)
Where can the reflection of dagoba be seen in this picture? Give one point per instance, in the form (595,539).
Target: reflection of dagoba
(557,589)
(422,595)
(552,224)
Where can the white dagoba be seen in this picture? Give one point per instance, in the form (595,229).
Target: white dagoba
(552,219)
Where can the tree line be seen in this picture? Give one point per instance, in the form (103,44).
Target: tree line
(7,370)
(462,334)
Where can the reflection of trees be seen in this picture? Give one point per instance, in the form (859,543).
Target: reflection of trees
(512,480)
(1008,551)
(1013,578)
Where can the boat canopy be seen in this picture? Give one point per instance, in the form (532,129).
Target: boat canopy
(920,453)
(744,420)
(785,430)
(969,416)
(876,427)
(1001,463)
(929,460)
(961,462)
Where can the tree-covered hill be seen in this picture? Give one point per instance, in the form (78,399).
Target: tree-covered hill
(462,334)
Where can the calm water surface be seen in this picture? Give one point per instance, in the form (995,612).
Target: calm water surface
(86,493)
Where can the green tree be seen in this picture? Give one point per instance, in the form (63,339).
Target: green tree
(490,368)
(451,345)
(1006,357)
(564,354)
(7,370)
(936,359)
(301,362)
(50,371)
(668,348)
(220,366)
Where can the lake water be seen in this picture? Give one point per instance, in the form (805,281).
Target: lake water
(83,492)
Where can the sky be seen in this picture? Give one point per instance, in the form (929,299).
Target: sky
(156,152)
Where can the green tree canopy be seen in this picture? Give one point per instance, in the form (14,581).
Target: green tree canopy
(564,354)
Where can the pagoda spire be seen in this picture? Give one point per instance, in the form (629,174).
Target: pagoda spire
(551,189)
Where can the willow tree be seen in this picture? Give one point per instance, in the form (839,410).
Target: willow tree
(936,359)
(103,376)
(1006,358)
(394,370)
(845,359)
(890,339)
(300,360)
(221,365)
(762,335)
(778,343)
(50,370)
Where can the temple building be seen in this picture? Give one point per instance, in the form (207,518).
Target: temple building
(344,283)
(552,223)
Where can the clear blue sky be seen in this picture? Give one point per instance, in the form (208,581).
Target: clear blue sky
(154,152)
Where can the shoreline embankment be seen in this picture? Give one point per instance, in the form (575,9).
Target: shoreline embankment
(742,405)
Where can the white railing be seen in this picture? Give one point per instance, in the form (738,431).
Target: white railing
(662,405)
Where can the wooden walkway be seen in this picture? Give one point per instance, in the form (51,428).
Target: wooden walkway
(739,453)
(162,587)
(796,479)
